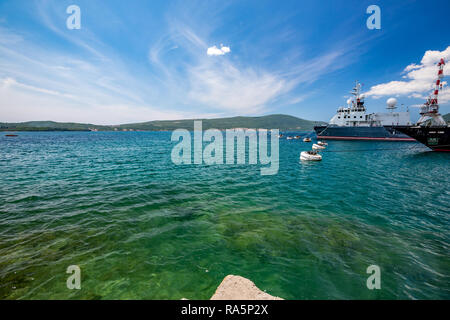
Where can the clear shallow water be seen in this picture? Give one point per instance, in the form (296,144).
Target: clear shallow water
(142,228)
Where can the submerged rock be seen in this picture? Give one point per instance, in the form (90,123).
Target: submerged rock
(240,288)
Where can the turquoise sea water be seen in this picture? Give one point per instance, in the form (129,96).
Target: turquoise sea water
(140,227)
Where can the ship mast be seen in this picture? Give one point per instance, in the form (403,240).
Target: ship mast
(359,103)
(429,111)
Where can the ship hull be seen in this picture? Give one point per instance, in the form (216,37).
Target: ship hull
(380,133)
(436,138)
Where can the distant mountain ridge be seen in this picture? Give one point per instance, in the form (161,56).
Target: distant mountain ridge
(275,121)
(447,117)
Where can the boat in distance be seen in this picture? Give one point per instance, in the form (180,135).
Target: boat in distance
(354,123)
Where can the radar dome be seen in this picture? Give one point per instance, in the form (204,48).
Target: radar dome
(391,102)
(349,101)
(362,96)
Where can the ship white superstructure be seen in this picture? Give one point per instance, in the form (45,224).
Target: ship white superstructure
(355,115)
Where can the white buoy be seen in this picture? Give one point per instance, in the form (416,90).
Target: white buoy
(317,147)
(310,156)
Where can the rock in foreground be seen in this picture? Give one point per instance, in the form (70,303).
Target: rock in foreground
(240,288)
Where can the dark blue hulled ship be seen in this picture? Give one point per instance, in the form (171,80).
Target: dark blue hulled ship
(353,123)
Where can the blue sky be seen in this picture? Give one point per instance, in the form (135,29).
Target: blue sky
(134,61)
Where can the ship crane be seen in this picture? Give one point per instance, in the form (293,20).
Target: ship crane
(431,129)
(429,111)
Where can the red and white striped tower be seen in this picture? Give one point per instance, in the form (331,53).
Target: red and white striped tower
(431,107)
(438,81)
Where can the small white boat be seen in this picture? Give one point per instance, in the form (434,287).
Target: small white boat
(290,138)
(317,147)
(310,156)
(307,139)
(321,143)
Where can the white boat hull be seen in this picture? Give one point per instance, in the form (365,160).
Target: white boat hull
(305,156)
(317,147)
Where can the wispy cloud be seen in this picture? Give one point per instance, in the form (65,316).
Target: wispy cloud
(419,79)
(234,85)
(224,86)
(84,77)
(53,85)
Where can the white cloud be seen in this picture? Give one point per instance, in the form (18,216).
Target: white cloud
(214,51)
(412,66)
(243,91)
(225,49)
(420,79)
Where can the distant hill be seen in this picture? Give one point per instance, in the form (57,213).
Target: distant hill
(447,117)
(279,121)
(275,121)
(49,126)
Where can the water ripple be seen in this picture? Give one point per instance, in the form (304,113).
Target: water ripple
(142,228)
